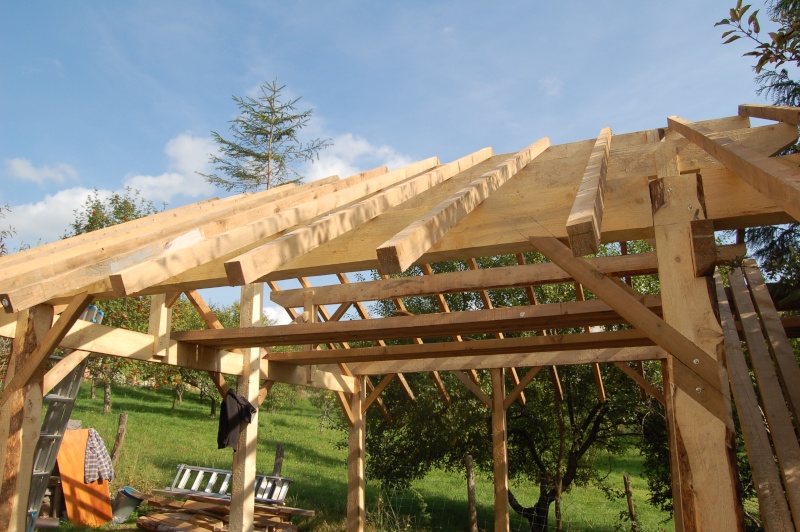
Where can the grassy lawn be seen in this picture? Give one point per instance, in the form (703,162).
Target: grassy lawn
(159,438)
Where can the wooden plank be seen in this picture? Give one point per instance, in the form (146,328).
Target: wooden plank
(160,324)
(499,452)
(787,115)
(244,459)
(524,318)
(771,499)
(48,344)
(356,480)
(779,421)
(529,344)
(262,260)
(774,180)
(474,388)
(523,382)
(62,368)
(585,221)
(704,247)
(781,350)
(245,234)
(641,381)
(21,419)
(689,354)
(406,247)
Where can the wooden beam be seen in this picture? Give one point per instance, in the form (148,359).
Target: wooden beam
(776,181)
(160,324)
(377,390)
(787,115)
(704,247)
(782,353)
(542,358)
(777,415)
(356,479)
(262,260)
(641,381)
(523,382)
(585,221)
(556,315)
(210,319)
(499,452)
(598,377)
(406,247)
(48,344)
(244,459)
(771,499)
(62,368)
(474,388)
(705,369)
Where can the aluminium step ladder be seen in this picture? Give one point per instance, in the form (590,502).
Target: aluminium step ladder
(60,402)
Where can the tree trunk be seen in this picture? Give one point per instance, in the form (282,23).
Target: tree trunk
(93,388)
(107,397)
(121,427)
(213,406)
(537,515)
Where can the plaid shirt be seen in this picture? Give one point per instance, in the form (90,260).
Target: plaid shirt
(97,462)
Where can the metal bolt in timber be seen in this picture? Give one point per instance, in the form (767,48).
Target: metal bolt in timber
(698,389)
(696,361)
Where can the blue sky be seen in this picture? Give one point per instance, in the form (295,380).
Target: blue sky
(112,94)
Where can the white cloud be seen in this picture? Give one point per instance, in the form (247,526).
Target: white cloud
(277,315)
(187,155)
(47,219)
(25,170)
(551,86)
(351,154)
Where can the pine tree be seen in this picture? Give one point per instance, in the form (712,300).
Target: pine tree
(265,144)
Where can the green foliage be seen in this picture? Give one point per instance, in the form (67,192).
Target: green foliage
(5,233)
(98,213)
(265,144)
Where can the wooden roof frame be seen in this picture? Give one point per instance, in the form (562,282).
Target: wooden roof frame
(672,186)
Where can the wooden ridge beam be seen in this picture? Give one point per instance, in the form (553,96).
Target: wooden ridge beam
(406,247)
(585,222)
(776,181)
(518,360)
(482,279)
(771,500)
(699,374)
(47,345)
(507,346)
(260,261)
(281,216)
(787,115)
(524,318)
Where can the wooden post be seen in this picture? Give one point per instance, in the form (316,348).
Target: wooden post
(703,458)
(356,484)
(21,419)
(626,479)
(499,452)
(473,511)
(121,427)
(244,459)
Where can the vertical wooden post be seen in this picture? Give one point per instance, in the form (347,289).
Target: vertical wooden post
(499,452)
(21,420)
(356,484)
(160,324)
(702,444)
(244,459)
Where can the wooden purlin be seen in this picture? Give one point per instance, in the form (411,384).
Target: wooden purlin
(787,115)
(776,181)
(585,221)
(698,370)
(784,440)
(523,318)
(772,502)
(406,247)
(267,222)
(262,260)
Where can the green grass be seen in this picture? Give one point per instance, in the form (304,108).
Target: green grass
(159,438)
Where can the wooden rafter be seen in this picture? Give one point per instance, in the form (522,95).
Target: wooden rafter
(262,260)
(586,218)
(776,181)
(787,115)
(598,377)
(406,247)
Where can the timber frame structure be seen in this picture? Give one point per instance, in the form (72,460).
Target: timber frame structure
(672,186)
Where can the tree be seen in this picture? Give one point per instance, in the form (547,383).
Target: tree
(777,248)
(554,443)
(265,144)
(5,233)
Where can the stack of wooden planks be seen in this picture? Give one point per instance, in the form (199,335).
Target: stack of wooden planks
(203,513)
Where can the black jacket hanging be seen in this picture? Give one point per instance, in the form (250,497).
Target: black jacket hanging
(235,409)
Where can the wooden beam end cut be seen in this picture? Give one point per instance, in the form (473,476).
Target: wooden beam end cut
(389,260)
(235,273)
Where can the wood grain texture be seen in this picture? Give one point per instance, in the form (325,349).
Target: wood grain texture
(585,221)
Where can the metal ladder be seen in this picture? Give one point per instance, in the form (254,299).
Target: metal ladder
(60,402)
